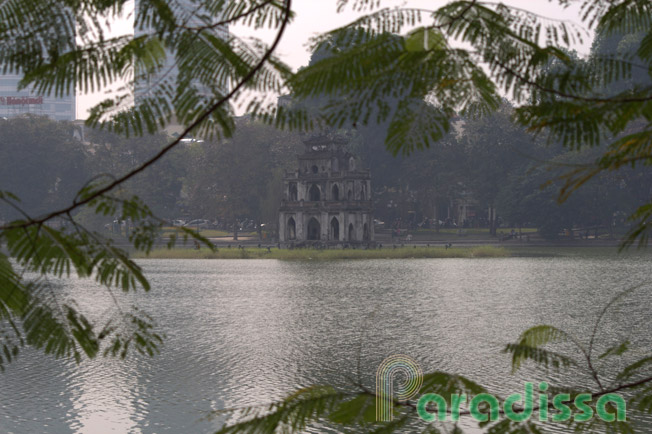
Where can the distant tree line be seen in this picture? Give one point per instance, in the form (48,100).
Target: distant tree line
(45,163)
(489,161)
(494,164)
(507,176)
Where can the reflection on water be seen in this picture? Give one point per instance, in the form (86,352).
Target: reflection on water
(247,332)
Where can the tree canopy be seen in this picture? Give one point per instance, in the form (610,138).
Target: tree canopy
(60,47)
(458,60)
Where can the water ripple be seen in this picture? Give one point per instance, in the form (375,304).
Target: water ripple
(248,332)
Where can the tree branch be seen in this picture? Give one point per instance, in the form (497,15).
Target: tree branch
(536,85)
(174,143)
(232,19)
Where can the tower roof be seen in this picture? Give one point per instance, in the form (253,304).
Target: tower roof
(323,142)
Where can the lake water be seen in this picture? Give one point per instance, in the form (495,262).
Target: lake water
(243,332)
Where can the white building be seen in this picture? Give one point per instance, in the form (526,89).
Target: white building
(15,103)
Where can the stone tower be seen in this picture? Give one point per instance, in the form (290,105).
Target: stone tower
(327,201)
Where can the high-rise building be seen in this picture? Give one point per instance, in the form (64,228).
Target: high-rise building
(188,13)
(14,102)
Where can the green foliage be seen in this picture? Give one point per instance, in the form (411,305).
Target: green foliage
(415,83)
(60,47)
(530,343)
(354,409)
(37,311)
(511,427)
(368,69)
(233,179)
(531,194)
(360,410)
(35,145)
(616,350)
(446,384)
(292,414)
(60,44)
(159,187)
(418,83)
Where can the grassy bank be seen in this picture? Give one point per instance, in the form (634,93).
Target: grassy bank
(310,254)
(577,251)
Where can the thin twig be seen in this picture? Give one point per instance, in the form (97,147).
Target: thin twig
(557,92)
(232,19)
(174,143)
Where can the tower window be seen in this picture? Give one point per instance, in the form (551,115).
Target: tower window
(335,229)
(314,229)
(291,229)
(293,191)
(314,193)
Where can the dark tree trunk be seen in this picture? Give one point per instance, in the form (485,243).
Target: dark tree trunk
(492,221)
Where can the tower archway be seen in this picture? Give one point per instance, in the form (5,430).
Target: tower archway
(293,191)
(314,230)
(291,229)
(335,229)
(314,194)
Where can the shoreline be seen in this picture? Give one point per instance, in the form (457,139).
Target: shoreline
(407,252)
(327,254)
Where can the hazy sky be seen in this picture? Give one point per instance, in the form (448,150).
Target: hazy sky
(317,16)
